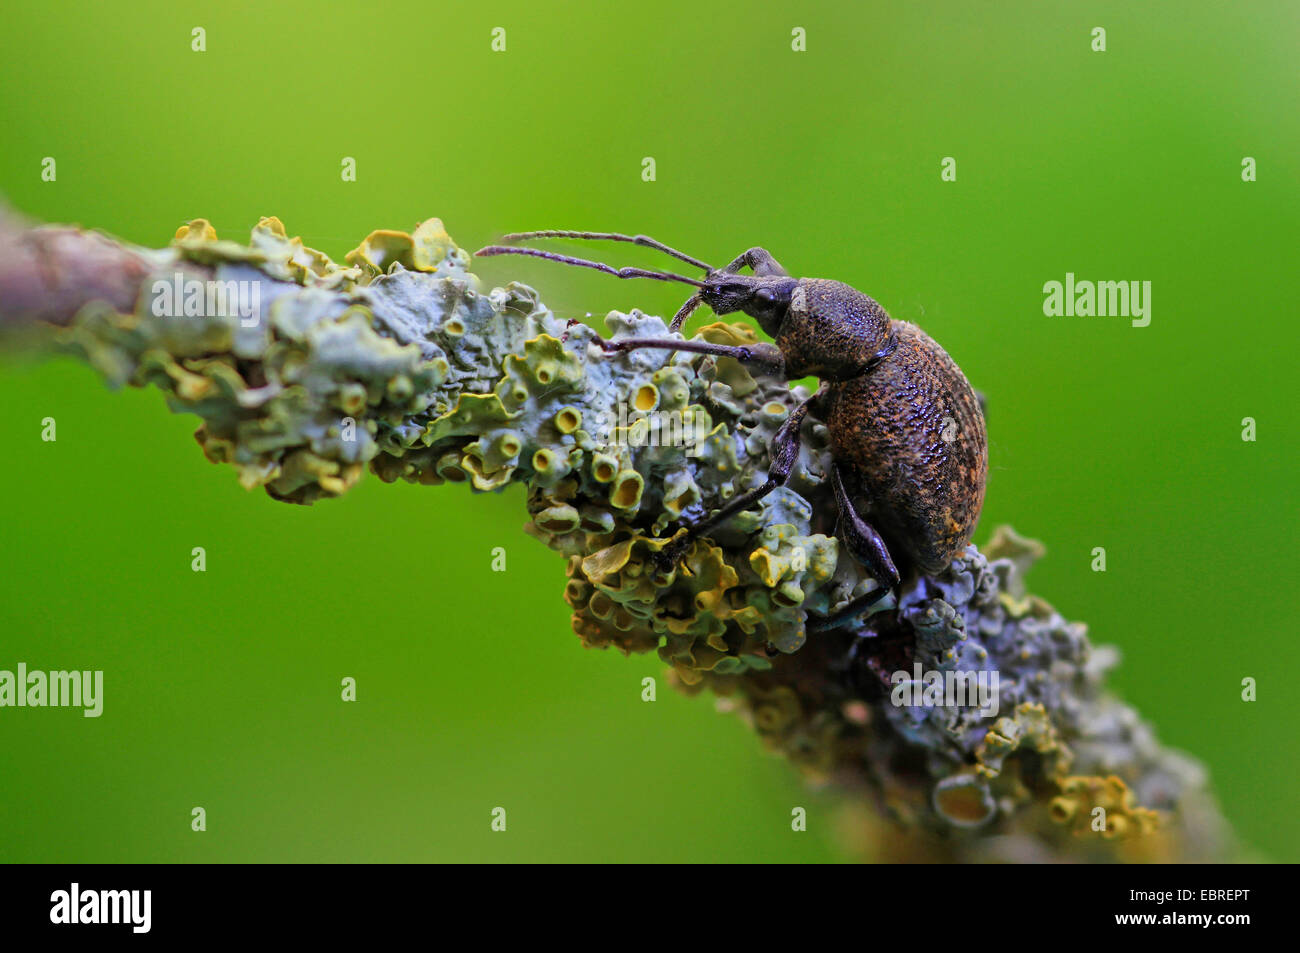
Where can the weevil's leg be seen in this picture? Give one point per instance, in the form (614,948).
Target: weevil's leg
(684,312)
(760,261)
(785,451)
(767,355)
(862,539)
(865,544)
(851,611)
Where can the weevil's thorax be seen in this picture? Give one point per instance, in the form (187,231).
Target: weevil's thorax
(831,330)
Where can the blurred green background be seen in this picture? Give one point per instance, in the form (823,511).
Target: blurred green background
(222,688)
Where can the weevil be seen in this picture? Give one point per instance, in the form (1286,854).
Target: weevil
(907,434)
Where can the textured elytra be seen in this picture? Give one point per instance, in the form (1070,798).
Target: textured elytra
(912,433)
(400,361)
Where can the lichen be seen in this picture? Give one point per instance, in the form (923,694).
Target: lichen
(398,360)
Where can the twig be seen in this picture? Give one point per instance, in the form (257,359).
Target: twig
(397,359)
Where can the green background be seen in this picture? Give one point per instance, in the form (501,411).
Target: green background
(222,688)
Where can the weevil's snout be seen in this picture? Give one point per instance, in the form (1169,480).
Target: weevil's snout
(725,293)
(765,299)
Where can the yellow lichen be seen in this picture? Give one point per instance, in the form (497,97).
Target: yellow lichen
(1101,807)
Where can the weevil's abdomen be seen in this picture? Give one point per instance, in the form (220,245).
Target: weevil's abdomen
(911,435)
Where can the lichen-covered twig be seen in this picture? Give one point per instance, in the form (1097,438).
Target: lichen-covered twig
(398,360)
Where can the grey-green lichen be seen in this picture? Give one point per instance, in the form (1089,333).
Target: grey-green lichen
(398,360)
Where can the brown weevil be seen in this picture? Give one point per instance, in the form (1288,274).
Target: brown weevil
(907,433)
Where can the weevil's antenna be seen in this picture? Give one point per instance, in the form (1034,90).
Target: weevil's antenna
(643,240)
(491,250)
